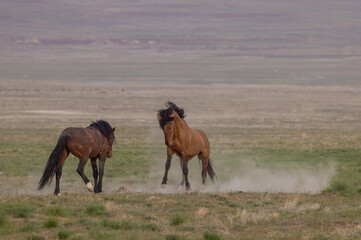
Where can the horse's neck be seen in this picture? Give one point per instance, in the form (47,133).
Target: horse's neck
(181,127)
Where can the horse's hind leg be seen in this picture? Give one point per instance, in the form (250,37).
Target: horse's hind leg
(58,171)
(80,170)
(95,173)
(204,160)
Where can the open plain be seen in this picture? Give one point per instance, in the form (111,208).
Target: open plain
(275,85)
(286,157)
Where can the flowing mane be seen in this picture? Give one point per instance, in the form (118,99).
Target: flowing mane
(164,113)
(104,127)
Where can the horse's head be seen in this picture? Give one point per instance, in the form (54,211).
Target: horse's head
(168,128)
(166,118)
(111,139)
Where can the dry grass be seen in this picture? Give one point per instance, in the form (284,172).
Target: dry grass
(292,203)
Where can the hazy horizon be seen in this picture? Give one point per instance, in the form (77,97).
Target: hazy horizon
(251,42)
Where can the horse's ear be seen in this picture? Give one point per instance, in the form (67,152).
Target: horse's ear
(113,129)
(172,114)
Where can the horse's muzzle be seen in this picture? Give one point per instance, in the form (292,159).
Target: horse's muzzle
(168,143)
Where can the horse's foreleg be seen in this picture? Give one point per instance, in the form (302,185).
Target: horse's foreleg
(167,166)
(101,174)
(80,170)
(181,185)
(185,174)
(95,173)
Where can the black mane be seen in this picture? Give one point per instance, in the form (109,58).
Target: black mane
(164,113)
(104,127)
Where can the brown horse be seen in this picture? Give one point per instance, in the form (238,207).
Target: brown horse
(94,141)
(185,142)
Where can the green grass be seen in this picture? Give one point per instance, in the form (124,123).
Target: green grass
(29,227)
(126,224)
(2,218)
(64,234)
(95,209)
(55,211)
(51,222)
(18,210)
(111,224)
(211,236)
(177,220)
(36,237)
(173,237)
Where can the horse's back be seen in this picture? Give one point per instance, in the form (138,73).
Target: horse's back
(200,140)
(82,142)
(204,137)
(201,134)
(74,133)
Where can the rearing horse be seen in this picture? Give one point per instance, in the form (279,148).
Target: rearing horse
(94,141)
(185,142)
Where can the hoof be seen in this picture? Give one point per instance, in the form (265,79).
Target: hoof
(203,187)
(89,186)
(163,185)
(180,188)
(57,194)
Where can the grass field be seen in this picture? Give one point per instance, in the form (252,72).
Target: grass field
(281,176)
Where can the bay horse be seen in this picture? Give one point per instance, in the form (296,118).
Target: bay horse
(94,141)
(185,142)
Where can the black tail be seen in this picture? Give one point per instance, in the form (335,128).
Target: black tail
(210,170)
(53,163)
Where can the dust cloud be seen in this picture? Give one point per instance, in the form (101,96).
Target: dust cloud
(281,180)
(252,177)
